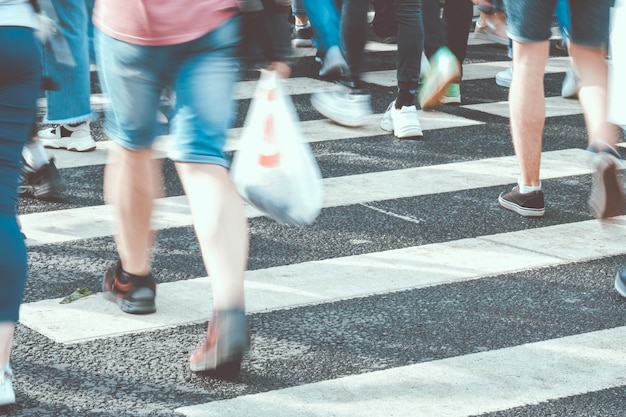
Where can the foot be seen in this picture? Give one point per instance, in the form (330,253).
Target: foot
(492,27)
(404,122)
(452,95)
(73,138)
(607,189)
(526,204)
(504,77)
(226,342)
(333,64)
(444,69)
(134,294)
(302,36)
(345,106)
(46,182)
(7,394)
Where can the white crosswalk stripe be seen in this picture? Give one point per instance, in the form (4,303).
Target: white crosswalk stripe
(521,375)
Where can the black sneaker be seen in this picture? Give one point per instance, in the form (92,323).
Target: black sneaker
(302,36)
(528,204)
(134,294)
(46,182)
(607,190)
(620,282)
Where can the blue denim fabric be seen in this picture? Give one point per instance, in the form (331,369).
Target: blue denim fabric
(20,86)
(70,103)
(297,8)
(203,73)
(530,21)
(326,23)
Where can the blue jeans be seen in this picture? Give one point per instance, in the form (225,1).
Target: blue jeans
(297,8)
(70,103)
(203,73)
(530,21)
(20,85)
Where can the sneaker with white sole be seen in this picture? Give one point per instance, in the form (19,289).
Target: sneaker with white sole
(344,106)
(404,122)
(492,27)
(73,138)
(444,69)
(569,89)
(526,204)
(504,77)
(333,63)
(7,394)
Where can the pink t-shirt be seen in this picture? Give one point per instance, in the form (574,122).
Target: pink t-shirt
(161,22)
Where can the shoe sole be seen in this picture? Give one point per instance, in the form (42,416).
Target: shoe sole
(50,144)
(301,43)
(607,195)
(486,36)
(450,100)
(522,211)
(386,124)
(353,122)
(137,307)
(506,84)
(409,133)
(619,285)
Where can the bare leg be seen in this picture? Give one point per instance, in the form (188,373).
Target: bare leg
(132,181)
(6,340)
(527,107)
(221,226)
(592,69)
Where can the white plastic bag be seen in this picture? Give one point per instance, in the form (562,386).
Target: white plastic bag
(274,169)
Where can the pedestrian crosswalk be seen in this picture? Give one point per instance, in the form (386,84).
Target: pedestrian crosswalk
(347,315)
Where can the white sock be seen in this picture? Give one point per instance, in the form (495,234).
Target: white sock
(525,189)
(34,154)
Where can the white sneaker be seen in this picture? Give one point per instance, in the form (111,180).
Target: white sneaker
(7,395)
(333,63)
(504,77)
(73,138)
(344,106)
(569,89)
(404,122)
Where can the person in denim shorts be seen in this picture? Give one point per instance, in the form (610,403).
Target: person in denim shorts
(140,51)
(529,24)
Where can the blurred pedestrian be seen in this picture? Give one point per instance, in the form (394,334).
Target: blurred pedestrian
(140,52)
(20,85)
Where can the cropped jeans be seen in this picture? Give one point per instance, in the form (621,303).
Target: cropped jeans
(20,86)
(71,102)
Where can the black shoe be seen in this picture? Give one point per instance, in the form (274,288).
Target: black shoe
(382,38)
(134,294)
(607,190)
(302,37)
(46,182)
(528,204)
(620,282)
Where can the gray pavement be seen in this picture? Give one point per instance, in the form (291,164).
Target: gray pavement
(146,373)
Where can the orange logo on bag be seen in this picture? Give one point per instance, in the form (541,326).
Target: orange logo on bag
(269,156)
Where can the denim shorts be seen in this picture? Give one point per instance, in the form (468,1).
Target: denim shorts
(530,21)
(203,74)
